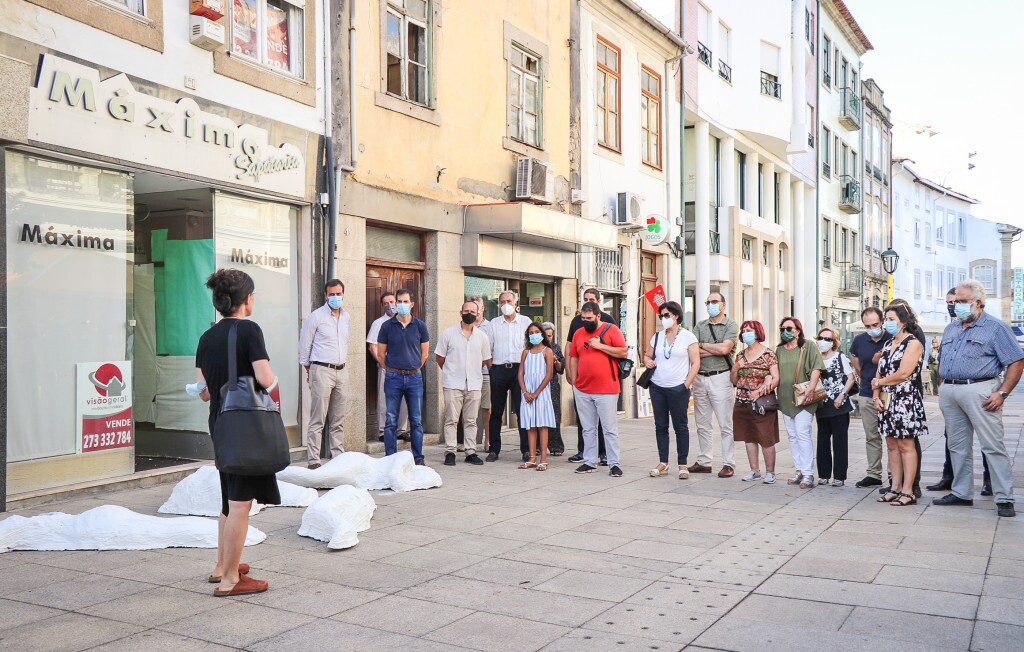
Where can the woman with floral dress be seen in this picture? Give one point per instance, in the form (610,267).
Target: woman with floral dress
(900,403)
(755,374)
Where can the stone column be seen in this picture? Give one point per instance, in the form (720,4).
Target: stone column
(702,207)
(729,195)
(769,191)
(752,182)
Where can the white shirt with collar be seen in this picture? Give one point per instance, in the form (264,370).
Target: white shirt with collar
(463,358)
(371,335)
(508,338)
(324,337)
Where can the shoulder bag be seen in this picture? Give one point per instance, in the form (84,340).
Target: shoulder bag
(249,436)
(645,378)
(801,397)
(621,367)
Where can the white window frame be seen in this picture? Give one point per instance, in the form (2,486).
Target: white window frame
(961,227)
(133,7)
(296,37)
(990,286)
(917,284)
(396,9)
(520,112)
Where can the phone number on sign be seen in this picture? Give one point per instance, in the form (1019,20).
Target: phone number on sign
(106,440)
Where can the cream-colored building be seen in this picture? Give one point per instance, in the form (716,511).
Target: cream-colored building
(840,181)
(876,217)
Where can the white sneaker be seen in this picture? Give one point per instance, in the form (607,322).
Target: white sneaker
(769,478)
(751,476)
(684,473)
(838,483)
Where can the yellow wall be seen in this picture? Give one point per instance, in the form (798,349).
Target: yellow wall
(403,153)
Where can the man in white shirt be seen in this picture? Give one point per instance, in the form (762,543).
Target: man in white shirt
(387,302)
(462,352)
(508,339)
(323,352)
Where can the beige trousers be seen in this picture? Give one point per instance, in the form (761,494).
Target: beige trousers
(714,395)
(460,403)
(327,388)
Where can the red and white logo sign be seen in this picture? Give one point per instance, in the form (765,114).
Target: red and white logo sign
(103,411)
(656,297)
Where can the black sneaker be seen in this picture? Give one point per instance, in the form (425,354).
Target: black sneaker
(449,459)
(421,462)
(885,490)
(1005,510)
(492,457)
(616,472)
(951,499)
(868,481)
(578,457)
(585,468)
(474,459)
(986,490)
(603,461)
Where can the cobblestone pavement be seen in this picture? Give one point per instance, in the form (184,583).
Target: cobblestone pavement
(509,560)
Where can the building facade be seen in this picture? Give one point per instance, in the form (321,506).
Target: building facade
(840,182)
(133,163)
(876,221)
(749,150)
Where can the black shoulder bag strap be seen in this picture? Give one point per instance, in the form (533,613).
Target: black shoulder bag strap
(615,365)
(232,357)
(728,357)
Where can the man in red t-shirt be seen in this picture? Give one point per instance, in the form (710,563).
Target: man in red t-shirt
(594,375)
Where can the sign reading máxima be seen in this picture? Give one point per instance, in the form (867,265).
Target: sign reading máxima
(71,107)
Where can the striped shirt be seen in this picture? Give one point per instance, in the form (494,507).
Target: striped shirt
(324,337)
(982,350)
(508,338)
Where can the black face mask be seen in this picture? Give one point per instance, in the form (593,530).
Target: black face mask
(468,319)
(590,326)
(950,307)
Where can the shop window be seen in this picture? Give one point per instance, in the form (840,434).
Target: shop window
(608,82)
(650,117)
(406,36)
(525,104)
(269,32)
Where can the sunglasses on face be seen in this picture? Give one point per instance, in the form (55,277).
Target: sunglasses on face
(666,314)
(825,339)
(788,329)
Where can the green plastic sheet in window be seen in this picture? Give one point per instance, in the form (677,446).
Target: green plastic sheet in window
(184,310)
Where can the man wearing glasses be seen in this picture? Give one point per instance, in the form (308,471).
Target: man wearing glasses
(864,353)
(713,392)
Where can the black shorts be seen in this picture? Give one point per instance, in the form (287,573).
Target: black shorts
(261,488)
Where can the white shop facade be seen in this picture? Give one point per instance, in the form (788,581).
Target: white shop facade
(120,202)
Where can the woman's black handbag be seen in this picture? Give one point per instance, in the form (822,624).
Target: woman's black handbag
(249,436)
(645,378)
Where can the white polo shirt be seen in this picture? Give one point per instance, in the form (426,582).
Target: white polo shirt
(463,358)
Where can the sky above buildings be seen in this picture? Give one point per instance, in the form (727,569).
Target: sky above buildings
(949,69)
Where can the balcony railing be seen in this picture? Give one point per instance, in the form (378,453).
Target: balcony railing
(716,242)
(826,78)
(851,281)
(770,87)
(691,242)
(725,71)
(826,168)
(826,262)
(704,54)
(849,110)
(877,172)
(810,140)
(851,198)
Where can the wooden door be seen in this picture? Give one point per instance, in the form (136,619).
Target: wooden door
(648,281)
(380,278)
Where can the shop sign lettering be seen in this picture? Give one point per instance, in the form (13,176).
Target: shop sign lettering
(34,233)
(72,107)
(248,258)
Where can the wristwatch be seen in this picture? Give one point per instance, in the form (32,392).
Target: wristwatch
(1004,394)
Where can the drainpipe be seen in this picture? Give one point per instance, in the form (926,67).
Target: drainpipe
(334,169)
(682,159)
(352,145)
(817,167)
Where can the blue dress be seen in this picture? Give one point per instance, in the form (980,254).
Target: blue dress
(540,413)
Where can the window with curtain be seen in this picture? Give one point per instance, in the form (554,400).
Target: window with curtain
(269,32)
(608,84)
(406,42)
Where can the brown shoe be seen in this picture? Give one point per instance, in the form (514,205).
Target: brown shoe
(726,472)
(245,586)
(697,467)
(313,465)
(243,569)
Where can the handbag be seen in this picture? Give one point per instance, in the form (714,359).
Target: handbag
(621,367)
(885,398)
(249,437)
(645,378)
(801,397)
(766,403)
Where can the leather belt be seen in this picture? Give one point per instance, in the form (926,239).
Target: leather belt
(328,365)
(508,365)
(404,372)
(712,373)
(968,381)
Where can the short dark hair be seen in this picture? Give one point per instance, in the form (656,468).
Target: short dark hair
(231,288)
(674,308)
(386,295)
(591,307)
(334,282)
(904,314)
(952,291)
(869,310)
(402,292)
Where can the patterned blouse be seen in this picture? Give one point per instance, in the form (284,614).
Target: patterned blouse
(752,374)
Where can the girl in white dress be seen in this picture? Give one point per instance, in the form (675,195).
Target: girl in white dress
(537,412)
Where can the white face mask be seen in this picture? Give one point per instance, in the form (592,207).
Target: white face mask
(508,309)
(667,322)
(824,347)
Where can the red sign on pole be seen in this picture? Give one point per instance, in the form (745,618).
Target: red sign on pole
(657,297)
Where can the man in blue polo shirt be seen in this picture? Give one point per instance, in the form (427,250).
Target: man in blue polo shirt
(403,345)
(862,357)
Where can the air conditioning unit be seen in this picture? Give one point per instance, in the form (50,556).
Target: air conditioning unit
(205,33)
(629,210)
(535,180)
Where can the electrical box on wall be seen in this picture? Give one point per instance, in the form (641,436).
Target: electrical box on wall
(205,33)
(212,9)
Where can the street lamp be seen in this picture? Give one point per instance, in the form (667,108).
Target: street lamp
(890,260)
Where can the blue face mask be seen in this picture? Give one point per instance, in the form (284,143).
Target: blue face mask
(403,309)
(749,338)
(963,311)
(334,302)
(875,332)
(714,309)
(892,327)
(536,338)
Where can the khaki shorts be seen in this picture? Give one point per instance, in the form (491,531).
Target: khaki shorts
(485,393)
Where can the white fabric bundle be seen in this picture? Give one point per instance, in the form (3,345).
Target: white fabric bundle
(337,516)
(199,495)
(397,472)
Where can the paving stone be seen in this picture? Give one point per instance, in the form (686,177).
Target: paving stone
(486,631)
(1006,567)
(793,612)
(332,635)
(606,563)
(509,572)
(589,541)
(1001,610)
(912,559)
(690,597)
(917,628)
(998,586)
(313,598)
(719,574)
(996,637)
(589,640)
(237,624)
(403,615)
(414,535)
(28,576)
(81,592)
(357,573)
(677,625)
(151,608)
(14,614)
(165,570)
(593,585)
(932,579)
(810,566)
(67,632)
(477,544)
(154,640)
(659,551)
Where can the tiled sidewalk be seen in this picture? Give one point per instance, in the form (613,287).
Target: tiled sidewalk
(502,559)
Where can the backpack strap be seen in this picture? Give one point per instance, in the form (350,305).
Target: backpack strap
(615,366)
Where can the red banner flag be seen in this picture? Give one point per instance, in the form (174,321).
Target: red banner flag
(657,297)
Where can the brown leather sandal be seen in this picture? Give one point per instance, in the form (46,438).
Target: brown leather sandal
(243,569)
(246,586)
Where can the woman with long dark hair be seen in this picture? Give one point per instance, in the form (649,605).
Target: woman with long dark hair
(798,363)
(537,413)
(234,298)
(555,444)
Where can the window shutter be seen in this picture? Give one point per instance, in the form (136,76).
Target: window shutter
(769,59)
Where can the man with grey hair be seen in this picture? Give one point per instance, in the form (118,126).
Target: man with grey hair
(975,352)
(508,338)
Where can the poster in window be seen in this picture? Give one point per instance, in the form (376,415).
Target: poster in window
(277,37)
(243,29)
(103,409)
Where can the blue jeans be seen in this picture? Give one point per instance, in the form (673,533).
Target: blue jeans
(671,402)
(397,386)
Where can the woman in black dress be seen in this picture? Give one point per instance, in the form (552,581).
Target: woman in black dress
(234,299)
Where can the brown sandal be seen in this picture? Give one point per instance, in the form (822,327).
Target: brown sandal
(243,569)
(886,499)
(899,502)
(246,585)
